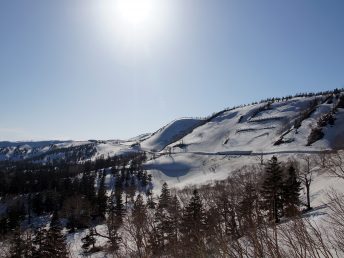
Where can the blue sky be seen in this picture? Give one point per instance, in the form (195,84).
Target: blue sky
(70,70)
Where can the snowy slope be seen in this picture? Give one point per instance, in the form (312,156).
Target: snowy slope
(52,150)
(247,129)
(170,133)
(238,137)
(191,151)
(252,128)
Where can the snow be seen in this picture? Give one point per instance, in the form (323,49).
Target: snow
(140,137)
(183,169)
(112,149)
(170,133)
(31,144)
(54,150)
(203,151)
(75,243)
(334,135)
(226,132)
(252,128)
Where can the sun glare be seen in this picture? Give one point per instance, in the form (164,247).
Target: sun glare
(131,27)
(135,12)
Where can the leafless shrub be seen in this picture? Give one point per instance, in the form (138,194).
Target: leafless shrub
(303,238)
(334,163)
(336,218)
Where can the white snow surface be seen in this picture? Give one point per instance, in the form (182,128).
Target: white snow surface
(192,151)
(252,128)
(170,133)
(237,130)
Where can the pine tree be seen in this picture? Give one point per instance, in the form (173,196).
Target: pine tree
(115,216)
(158,236)
(37,204)
(193,226)
(271,190)
(29,244)
(227,214)
(150,201)
(139,212)
(101,198)
(17,248)
(144,180)
(119,209)
(155,242)
(87,186)
(165,196)
(39,242)
(54,244)
(248,207)
(291,192)
(173,234)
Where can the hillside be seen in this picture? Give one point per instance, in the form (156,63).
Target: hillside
(271,126)
(242,135)
(229,149)
(188,150)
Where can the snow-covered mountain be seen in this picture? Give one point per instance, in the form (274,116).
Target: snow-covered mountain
(196,151)
(283,125)
(71,150)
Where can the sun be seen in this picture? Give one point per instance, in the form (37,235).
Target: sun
(131,28)
(130,15)
(135,12)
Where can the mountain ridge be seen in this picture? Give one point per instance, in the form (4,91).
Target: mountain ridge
(275,124)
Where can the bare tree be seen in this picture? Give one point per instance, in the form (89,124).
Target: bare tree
(137,228)
(322,158)
(302,238)
(334,163)
(260,157)
(306,177)
(336,218)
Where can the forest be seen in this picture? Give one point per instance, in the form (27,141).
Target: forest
(256,212)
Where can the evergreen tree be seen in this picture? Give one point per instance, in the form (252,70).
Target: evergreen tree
(155,242)
(39,242)
(227,213)
(144,180)
(115,216)
(119,209)
(54,244)
(272,188)
(37,204)
(87,186)
(165,197)
(158,236)
(291,192)
(17,248)
(173,234)
(101,197)
(3,225)
(150,201)
(248,207)
(15,213)
(193,226)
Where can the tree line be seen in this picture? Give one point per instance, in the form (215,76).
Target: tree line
(256,212)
